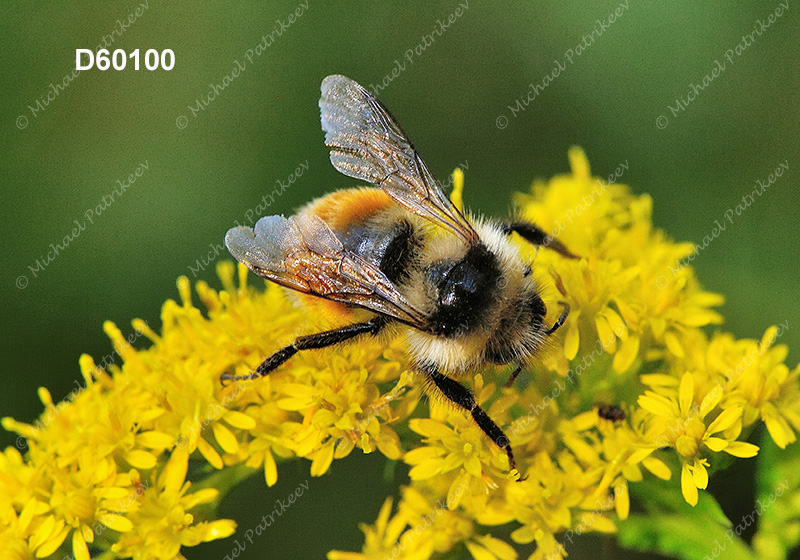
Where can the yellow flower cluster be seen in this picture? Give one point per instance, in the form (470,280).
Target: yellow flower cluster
(633,340)
(106,470)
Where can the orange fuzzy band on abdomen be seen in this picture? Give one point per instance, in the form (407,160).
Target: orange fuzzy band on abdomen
(341,209)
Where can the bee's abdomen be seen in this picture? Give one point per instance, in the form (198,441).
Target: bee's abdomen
(390,250)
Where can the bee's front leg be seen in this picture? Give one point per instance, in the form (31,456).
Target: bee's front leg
(460,395)
(537,236)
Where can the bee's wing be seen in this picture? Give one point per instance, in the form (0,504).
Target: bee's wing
(367,143)
(303,253)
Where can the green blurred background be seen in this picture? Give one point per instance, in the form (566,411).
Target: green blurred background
(59,162)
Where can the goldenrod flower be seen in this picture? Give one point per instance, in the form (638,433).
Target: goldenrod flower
(681,425)
(105,470)
(160,524)
(463,449)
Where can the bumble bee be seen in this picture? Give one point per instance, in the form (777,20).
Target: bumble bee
(400,255)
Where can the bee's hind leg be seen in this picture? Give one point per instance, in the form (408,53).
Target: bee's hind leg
(309,342)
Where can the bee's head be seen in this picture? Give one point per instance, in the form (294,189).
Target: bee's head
(463,291)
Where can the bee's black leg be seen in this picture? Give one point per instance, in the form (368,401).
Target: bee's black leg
(460,395)
(513,377)
(561,318)
(309,342)
(536,235)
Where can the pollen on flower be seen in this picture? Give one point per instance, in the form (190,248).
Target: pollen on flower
(115,455)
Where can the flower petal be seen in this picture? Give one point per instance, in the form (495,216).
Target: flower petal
(624,358)
(426,470)
(322,459)
(688,487)
(174,474)
(622,501)
(155,440)
(741,449)
(686,393)
(211,455)
(572,340)
(140,459)
(776,426)
(700,476)
(239,420)
(715,444)
(225,438)
(673,344)
(657,467)
(725,420)
(606,334)
(116,522)
(270,468)
(501,549)
(711,400)
(79,549)
(657,404)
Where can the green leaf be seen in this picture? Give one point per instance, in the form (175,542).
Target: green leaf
(672,527)
(664,497)
(225,481)
(682,537)
(777,507)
